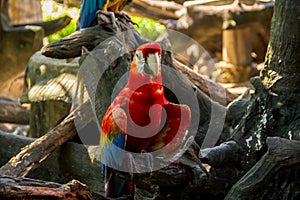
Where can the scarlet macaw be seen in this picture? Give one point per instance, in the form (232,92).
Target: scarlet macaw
(134,121)
(90,7)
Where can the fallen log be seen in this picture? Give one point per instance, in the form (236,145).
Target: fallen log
(225,153)
(30,189)
(11,111)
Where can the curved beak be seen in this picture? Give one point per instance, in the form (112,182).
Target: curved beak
(152,65)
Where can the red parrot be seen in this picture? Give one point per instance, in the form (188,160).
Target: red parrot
(140,119)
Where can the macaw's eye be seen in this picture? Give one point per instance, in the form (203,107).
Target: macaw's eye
(138,54)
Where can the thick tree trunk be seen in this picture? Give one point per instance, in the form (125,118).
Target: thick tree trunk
(274,108)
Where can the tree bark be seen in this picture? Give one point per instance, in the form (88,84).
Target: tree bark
(282,154)
(30,189)
(273,110)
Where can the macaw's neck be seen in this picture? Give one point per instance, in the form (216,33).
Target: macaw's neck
(137,80)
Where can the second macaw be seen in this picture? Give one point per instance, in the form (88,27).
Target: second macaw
(90,7)
(135,122)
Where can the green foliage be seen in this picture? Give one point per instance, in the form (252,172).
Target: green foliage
(70,28)
(148,28)
(53,10)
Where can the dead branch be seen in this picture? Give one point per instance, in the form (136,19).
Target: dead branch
(155,9)
(25,188)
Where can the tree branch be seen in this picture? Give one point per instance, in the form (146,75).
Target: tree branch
(28,189)
(12,112)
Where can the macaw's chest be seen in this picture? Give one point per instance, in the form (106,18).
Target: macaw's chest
(144,113)
(145,104)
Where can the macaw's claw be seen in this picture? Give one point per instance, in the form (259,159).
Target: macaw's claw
(107,18)
(122,15)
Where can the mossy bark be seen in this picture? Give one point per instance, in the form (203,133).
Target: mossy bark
(274,108)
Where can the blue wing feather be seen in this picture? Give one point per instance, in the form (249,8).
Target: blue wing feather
(88,12)
(119,142)
(113,156)
(112,144)
(113,152)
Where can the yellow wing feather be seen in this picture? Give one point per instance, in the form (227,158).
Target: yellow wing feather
(114,6)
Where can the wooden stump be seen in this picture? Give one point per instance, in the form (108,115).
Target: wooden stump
(51,88)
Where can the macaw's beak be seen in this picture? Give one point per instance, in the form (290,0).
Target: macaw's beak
(152,65)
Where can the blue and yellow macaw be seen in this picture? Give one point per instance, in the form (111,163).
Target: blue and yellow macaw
(90,7)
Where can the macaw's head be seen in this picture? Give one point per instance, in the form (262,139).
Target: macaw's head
(147,60)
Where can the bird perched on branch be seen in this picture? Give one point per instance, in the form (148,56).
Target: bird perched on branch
(90,7)
(140,119)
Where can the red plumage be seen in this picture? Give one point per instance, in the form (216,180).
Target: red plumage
(140,116)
